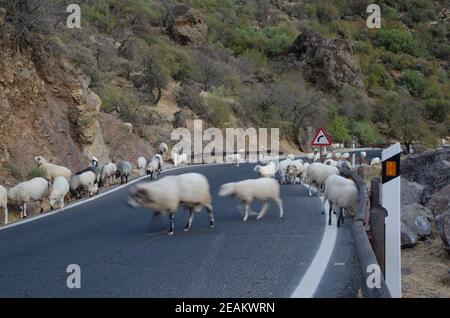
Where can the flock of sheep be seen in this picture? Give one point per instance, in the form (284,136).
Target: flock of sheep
(191,190)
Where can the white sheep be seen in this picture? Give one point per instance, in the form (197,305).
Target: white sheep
(84,181)
(282,169)
(4,202)
(107,174)
(295,170)
(123,171)
(191,190)
(344,164)
(375,161)
(153,168)
(177,158)
(290,156)
(163,148)
(52,170)
(330,162)
(35,189)
(141,163)
(160,161)
(304,171)
(345,155)
(330,155)
(338,155)
(246,191)
(341,193)
(60,188)
(235,159)
(129,127)
(268,170)
(317,173)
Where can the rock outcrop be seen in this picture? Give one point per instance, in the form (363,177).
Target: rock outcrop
(411,192)
(443,227)
(331,64)
(186,25)
(418,219)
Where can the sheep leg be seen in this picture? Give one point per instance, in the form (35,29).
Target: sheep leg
(212,224)
(341,216)
(172,223)
(40,203)
(24,210)
(247,207)
(323,205)
(329,212)
(263,211)
(62,204)
(189,223)
(280,206)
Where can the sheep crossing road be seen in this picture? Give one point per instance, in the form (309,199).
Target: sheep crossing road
(119,255)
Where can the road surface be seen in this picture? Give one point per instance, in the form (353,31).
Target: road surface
(120,255)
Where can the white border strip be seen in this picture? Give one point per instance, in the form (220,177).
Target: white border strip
(311,280)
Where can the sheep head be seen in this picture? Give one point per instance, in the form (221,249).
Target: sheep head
(226,189)
(39,160)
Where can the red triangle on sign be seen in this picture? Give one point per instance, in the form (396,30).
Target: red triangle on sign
(321,138)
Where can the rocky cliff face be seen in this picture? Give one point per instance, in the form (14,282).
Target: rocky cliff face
(331,64)
(186,25)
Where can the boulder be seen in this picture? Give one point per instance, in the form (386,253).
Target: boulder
(430,169)
(186,25)
(439,201)
(411,192)
(417,218)
(332,64)
(408,237)
(443,227)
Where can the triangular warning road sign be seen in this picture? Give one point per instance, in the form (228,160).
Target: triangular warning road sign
(321,138)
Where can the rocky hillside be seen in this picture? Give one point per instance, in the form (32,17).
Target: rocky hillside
(296,65)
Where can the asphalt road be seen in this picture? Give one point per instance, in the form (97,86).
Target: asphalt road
(121,255)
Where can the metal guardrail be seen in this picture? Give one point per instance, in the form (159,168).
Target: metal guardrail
(363,249)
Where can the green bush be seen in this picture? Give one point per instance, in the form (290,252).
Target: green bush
(15,171)
(414,81)
(398,41)
(338,129)
(36,172)
(326,12)
(364,132)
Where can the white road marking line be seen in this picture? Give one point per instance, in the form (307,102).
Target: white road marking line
(311,280)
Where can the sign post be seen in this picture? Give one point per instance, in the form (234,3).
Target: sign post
(390,197)
(321,139)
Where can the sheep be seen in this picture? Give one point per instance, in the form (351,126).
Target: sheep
(344,164)
(375,161)
(107,174)
(152,168)
(246,191)
(123,171)
(338,155)
(268,170)
(35,189)
(295,170)
(345,155)
(160,161)
(129,127)
(330,155)
(191,190)
(60,188)
(235,159)
(52,170)
(282,169)
(317,173)
(290,156)
(162,148)
(304,171)
(330,162)
(341,193)
(92,168)
(362,157)
(4,202)
(177,158)
(84,181)
(141,163)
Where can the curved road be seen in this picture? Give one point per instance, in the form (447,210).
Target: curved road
(121,255)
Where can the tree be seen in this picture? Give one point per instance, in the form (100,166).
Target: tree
(338,129)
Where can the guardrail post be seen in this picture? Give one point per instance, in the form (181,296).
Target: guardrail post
(377,223)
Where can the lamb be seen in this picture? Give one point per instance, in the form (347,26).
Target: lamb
(341,193)
(191,190)
(295,170)
(140,164)
(84,181)
(123,171)
(4,202)
(35,189)
(152,168)
(268,170)
(246,191)
(60,188)
(52,170)
(282,169)
(375,161)
(162,148)
(317,174)
(107,174)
